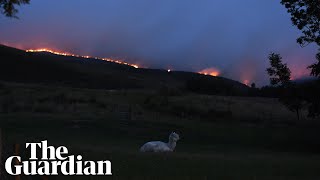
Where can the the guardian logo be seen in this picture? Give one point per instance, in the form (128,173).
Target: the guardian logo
(54,161)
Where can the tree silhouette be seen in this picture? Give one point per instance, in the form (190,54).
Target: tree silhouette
(280,76)
(8,7)
(279,73)
(305,14)
(315,68)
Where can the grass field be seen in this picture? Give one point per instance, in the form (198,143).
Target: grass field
(221,137)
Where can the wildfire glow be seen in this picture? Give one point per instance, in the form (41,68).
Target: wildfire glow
(210,72)
(87,57)
(246,82)
(299,71)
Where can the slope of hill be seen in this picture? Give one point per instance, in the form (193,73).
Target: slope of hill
(46,68)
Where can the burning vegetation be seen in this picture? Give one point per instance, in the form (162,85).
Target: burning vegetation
(246,75)
(210,72)
(87,57)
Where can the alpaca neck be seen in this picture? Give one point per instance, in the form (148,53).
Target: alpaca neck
(172,144)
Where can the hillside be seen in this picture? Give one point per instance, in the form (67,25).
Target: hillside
(49,69)
(248,136)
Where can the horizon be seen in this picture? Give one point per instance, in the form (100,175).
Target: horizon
(185,36)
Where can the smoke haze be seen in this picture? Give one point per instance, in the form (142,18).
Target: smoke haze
(233,36)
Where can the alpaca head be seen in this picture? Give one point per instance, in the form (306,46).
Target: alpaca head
(174,137)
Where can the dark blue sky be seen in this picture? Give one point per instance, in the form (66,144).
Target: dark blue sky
(233,36)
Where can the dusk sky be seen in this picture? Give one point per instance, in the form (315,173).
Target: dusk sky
(232,36)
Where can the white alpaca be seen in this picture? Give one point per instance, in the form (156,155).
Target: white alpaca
(158,146)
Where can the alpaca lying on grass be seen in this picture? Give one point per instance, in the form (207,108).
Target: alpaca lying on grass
(158,146)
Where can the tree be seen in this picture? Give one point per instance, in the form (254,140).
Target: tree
(280,76)
(253,85)
(305,14)
(279,73)
(8,7)
(315,68)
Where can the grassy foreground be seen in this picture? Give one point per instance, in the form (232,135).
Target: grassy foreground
(221,137)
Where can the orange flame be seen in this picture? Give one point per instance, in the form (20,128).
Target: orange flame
(87,57)
(210,71)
